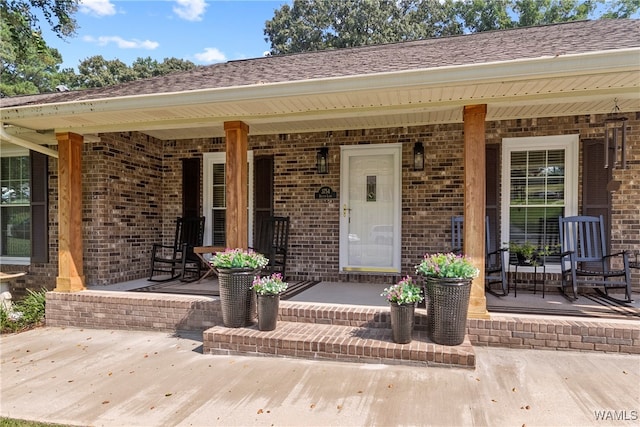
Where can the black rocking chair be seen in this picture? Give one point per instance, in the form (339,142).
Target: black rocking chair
(494,268)
(584,259)
(273,242)
(170,262)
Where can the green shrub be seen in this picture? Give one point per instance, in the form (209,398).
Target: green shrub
(26,313)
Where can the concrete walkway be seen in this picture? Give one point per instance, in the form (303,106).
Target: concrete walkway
(125,378)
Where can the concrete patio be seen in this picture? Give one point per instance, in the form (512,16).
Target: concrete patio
(105,377)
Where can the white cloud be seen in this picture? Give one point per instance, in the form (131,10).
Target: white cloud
(190,10)
(210,55)
(122,43)
(97,7)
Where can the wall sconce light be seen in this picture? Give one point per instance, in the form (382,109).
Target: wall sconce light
(615,133)
(418,157)
(322,161)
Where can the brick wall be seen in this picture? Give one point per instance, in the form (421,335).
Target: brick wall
(132,311)
(148,311)
(132,194)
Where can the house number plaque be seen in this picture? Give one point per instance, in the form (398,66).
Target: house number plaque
(326,193)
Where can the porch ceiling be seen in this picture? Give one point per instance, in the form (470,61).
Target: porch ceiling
(545,87)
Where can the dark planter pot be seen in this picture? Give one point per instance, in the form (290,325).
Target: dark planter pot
(402,320)
(522,260)
(237,299)
(447,306)
(268,311)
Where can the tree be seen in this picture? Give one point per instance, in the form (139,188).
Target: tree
(35,71)
(96,71)
(23,28)
(323,24)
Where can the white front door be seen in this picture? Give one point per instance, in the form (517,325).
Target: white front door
(370,208)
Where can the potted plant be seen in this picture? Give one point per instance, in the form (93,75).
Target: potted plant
(268,290)
(448,285)
(526,253)
(236,269)
(402,297)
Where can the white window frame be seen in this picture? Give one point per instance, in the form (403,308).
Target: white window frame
(570,145)
(10,150)
(209,159)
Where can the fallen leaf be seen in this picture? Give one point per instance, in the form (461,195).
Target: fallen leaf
(259,411)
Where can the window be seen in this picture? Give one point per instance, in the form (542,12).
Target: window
(15,209)
(215,203)
(539,181)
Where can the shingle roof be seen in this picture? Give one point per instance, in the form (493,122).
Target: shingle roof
(492,46)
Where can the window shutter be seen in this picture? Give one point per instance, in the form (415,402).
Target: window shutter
(263,182)
(492,193)
(596,199)
(39,207)
(191,188)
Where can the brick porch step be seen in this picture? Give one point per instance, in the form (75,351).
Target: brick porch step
(336,342)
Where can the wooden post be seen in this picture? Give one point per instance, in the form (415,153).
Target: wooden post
(237,184)
(70,264)
(474,203)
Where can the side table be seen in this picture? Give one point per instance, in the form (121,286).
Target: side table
(200,252)
(535,266)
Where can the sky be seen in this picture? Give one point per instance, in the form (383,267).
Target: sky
(204,32)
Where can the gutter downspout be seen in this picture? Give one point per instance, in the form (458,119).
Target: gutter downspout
(24,143)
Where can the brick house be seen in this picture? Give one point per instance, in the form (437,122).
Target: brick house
(112,168)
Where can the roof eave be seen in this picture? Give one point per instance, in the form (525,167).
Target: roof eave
(522,69)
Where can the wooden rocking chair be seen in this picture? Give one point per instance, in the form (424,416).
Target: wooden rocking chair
(584,259)
(170,262)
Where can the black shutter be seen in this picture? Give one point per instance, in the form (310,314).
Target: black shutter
(263,183)
(491,208)
(596,198)
(39,207)
(191,188)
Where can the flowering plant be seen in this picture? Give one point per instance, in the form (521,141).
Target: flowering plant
(269,285)
(238,258)
(403,292)
(447,265)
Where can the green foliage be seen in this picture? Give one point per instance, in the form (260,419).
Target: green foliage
(309,25)
(25,314)
(403,292)
(447,265)
(238,258)
(269,285)
(11,422)
(23,26)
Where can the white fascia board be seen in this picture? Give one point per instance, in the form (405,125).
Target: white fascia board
(610,61)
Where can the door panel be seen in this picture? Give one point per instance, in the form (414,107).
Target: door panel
(370,208)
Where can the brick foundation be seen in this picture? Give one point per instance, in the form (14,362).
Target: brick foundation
(147,311)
